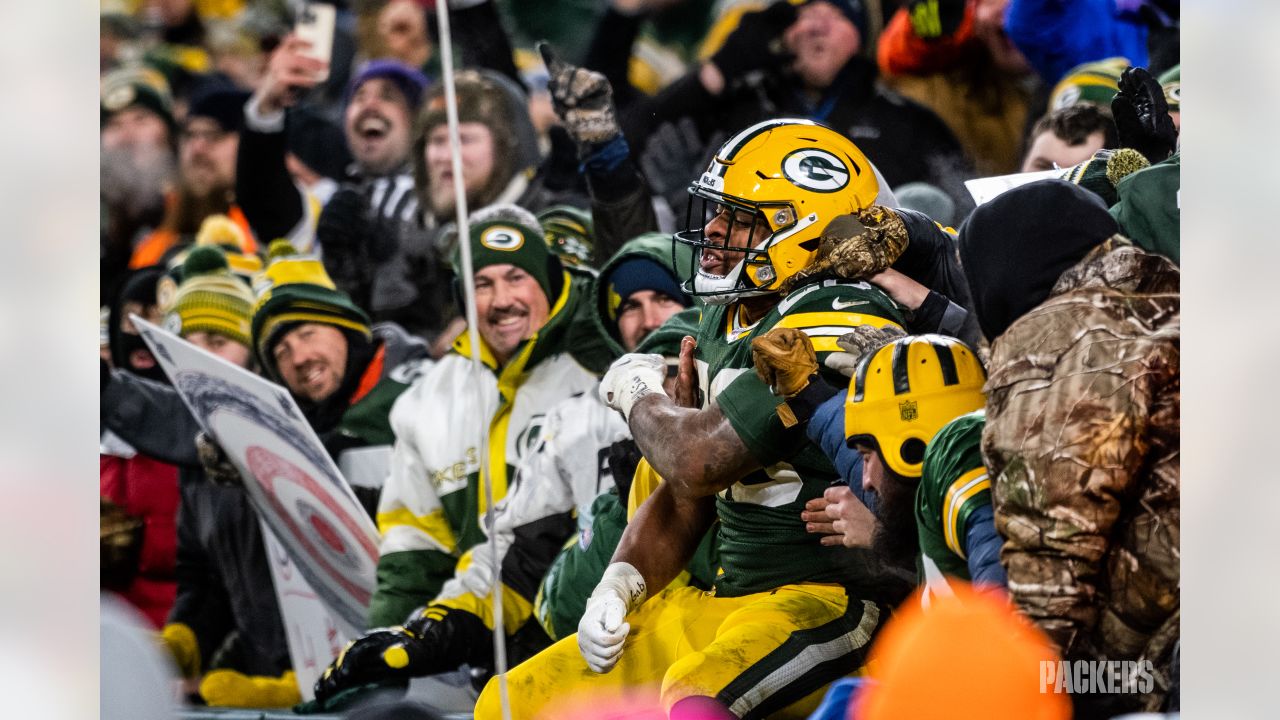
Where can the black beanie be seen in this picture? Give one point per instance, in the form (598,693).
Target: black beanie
(1015,247)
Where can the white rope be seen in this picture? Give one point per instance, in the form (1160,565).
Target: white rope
(473,334)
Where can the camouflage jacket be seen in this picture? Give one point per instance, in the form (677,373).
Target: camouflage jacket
(1082,439)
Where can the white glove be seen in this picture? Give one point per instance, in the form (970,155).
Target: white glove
(630,378)
(603,627)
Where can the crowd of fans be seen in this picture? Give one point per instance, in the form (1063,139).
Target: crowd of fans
(777,420)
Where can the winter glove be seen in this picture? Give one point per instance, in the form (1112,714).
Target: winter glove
(630,378)
(784,360)
(1142,115)
(756,44)
(582,99)
(856,246)
(229,688)
(603,627)
(624,457)
(434,639)
(217,466)
(181,642)
(858,342)
(673,156)
(933,19)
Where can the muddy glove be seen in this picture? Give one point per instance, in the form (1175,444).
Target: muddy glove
(630,378)
(582,99)
(784,360)
(756,44)
(603,628)
(217,466)
(856,246)
(1142,115)
(229,688)
(435,639)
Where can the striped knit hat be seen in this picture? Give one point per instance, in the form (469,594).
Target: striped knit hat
(295,289)
(210,298)
(1093,82)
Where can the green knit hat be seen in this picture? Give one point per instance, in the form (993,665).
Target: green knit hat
(295,289)
(1093,82)
(509,234)
(210,299)
(139,86)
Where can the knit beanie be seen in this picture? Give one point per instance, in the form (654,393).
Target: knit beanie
(210,298)
(1015,247)
(221,102)
(968,655)
(410,80)
(223,232)
(640,273)
(136,87)
(1093,82)
(569,233)
(509,234)
(295,289)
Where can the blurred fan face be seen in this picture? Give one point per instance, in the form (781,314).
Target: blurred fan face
(1048,149)
(510,308)
(234,352)
(378,124)
(822,40)
(135,128)
(402,27)
(207,156)
(476,141)
(642,313)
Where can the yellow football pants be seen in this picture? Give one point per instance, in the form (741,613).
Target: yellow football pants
(769,654)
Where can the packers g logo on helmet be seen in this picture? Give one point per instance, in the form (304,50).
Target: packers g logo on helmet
(816,170)
(903,393)
(786,180)
(502,237)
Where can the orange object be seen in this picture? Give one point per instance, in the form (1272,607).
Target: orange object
(153,247)
(968,655)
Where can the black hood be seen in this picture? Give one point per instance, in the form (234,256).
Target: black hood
(1015,247)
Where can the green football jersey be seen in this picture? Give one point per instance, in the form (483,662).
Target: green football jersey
(953,483)
(763,543)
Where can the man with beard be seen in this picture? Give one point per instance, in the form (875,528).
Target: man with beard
(137,164)
(369,232)
(787,615)
(344,373)
(206,173)
(906,437)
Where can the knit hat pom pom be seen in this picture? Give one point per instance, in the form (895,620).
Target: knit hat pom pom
(280,248)
(204,260)
(221,230)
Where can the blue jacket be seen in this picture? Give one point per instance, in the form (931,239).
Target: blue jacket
(1057,35)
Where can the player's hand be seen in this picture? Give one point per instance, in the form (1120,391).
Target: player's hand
(603,627)
(840,517)
(784,360)
(289,72)
(1142,115)
(217,466)
(686,392)
(630,378)
(582,99)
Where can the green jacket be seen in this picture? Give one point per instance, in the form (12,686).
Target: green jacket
(1150,206)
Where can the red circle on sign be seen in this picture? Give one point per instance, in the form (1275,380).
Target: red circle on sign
(268,467)
(328,534)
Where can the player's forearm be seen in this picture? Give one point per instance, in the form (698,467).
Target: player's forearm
(696,451)
(664,535)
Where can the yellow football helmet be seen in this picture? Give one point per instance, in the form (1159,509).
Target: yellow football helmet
(787,179)
(902,394)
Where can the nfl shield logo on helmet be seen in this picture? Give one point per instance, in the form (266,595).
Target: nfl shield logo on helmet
(907,410)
